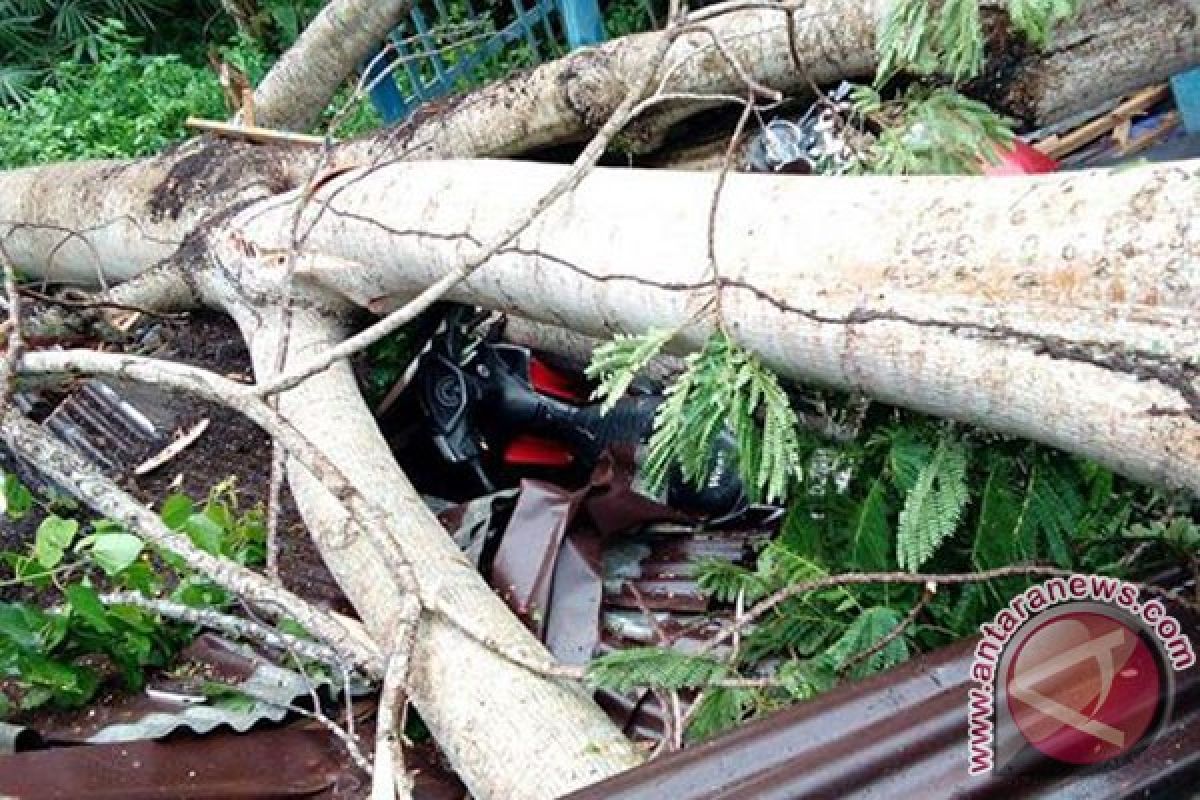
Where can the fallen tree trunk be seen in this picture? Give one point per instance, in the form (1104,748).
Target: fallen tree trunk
(1099,55)
(1059,308)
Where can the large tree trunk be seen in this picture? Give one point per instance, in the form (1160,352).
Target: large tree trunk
(1101,54)
(1060,308)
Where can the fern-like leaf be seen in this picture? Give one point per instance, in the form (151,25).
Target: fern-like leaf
(725,580)
(1037,18)
(615,364)
(623,670)
(724,388)
(872,625)
(933,507)
(719,709)
(870,542)
(960,39)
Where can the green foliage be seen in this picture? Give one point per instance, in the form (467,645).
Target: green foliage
(622,670)
(63,655)
(719,709)
(624,17)
(1037,18)
(927,37)
(723,389)
(122,105)
(913,493)
(868,628)
(615,364)
(38,35)
(930,131)
(933,507)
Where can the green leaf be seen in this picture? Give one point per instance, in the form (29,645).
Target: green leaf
(175,511)
(204,533)
(114,552)
(1037,18)
(52,539)
(17,499)
(86,603)
(934,506)
(19,626)
(615,364)
(870,547)
(806,679)
(725,391)
(140,577)
(228,697)
(998,541)
(719,709)
(871,626)
(623,670)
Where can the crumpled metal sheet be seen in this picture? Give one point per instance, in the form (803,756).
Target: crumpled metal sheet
(583,569)
(902,733)
(165,708)
(104,424)
(267,764)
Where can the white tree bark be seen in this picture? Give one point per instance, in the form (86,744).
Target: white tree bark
(1100,54)
(301,84)
(1060,308)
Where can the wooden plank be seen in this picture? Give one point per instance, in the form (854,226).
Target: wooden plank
(1059,146)
(252,133)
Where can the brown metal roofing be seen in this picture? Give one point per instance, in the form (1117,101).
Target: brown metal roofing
(902,734)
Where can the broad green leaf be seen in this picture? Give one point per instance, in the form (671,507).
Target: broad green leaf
(116,551)
(17,499)
(204,533)
(175,511)
(52,539)
(19,626)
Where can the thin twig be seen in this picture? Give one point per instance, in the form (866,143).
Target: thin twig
(391,779)
(98,303)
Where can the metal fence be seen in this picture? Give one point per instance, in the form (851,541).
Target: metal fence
(449,46)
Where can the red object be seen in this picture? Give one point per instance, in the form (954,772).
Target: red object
(535,451)
(1022,159)
(553,383)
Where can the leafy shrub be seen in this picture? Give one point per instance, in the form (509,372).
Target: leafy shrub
(62,655)
(124,104)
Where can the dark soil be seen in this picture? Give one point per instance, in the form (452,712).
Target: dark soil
(231,446)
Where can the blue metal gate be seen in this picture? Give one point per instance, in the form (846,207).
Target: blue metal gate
(441,48)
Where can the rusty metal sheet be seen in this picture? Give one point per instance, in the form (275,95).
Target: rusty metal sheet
(899,734)
(282,763)
(523,569)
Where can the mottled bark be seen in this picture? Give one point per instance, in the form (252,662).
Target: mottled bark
(1060,308)
(1101,54)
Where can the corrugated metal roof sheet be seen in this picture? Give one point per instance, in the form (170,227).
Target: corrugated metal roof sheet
(898,735)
